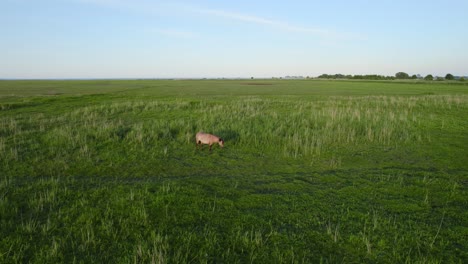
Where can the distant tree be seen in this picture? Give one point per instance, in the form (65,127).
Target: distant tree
(449,76)
(414,77)
(429,77)
(358,77)
(251,78)
(401,75)
(371,77)
(462,79)
(439,79)
(339,76)
(324,76)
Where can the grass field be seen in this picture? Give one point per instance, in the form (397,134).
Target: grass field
(312,172)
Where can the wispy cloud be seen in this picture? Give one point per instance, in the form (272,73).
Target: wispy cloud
(168,9)
(280,25)
(262,21)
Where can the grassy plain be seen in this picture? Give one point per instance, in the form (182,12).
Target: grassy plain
(313,171)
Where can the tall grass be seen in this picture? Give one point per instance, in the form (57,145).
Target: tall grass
(291,127)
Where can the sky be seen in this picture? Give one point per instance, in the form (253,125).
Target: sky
(61,39)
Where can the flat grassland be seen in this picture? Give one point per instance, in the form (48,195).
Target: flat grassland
(106,171)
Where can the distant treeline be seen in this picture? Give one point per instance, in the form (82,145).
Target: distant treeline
(357,77)
(398,75)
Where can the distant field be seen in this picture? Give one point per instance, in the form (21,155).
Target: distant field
(313,171)
(188,88)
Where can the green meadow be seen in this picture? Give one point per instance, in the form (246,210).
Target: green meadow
(313,171)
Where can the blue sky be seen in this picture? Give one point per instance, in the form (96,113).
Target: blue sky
(165,39)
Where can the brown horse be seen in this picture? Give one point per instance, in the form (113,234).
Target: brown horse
(208,139)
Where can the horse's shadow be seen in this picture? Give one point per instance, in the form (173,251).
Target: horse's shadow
(230,136)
